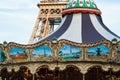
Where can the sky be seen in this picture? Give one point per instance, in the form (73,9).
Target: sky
(17,18)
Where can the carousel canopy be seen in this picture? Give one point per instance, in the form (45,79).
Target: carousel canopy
(82,23)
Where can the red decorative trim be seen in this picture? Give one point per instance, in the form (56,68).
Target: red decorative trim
(82,10)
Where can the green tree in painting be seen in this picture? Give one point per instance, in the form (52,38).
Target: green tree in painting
(2,56)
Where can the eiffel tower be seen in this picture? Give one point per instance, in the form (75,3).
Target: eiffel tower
(48,18)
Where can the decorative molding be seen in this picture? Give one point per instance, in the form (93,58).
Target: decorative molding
(84,63)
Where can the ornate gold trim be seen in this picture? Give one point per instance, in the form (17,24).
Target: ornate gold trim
(82,45)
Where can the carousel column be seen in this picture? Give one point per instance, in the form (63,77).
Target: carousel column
(32,69)
(83,76)
(5,44)
(83,71)
(114,52)
(84,54)
(55,47)
(30,54)
(6,50)
(33,76)
(33,73)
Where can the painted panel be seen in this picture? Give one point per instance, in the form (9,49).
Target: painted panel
(18,54)
(98,51)
(2,56)
(70,52)
(42,51)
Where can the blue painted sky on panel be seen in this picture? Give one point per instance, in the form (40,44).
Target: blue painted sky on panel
(16,50)
(42,50)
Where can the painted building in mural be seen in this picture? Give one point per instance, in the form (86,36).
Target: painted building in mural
(81,48)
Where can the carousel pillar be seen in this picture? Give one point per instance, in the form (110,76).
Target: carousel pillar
(83,76)
(114,48)
(6,49)
(55,47)
(84,54)
(33,76)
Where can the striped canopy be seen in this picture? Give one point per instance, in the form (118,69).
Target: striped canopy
(82,25)
(82,28)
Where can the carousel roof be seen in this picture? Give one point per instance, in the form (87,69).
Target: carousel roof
(82,23)
(81,3)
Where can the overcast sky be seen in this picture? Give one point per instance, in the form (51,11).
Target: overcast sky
(17,18)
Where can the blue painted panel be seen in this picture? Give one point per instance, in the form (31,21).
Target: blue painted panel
(16,52)
(98,51)
(42,51)
(69,52)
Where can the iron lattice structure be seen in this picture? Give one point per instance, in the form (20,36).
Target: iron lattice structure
(49,16)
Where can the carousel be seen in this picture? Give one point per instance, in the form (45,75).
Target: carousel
(81,48)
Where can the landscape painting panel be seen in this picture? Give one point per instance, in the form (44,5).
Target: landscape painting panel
(98,51)
(41,52)
(69,52)
(18,53)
